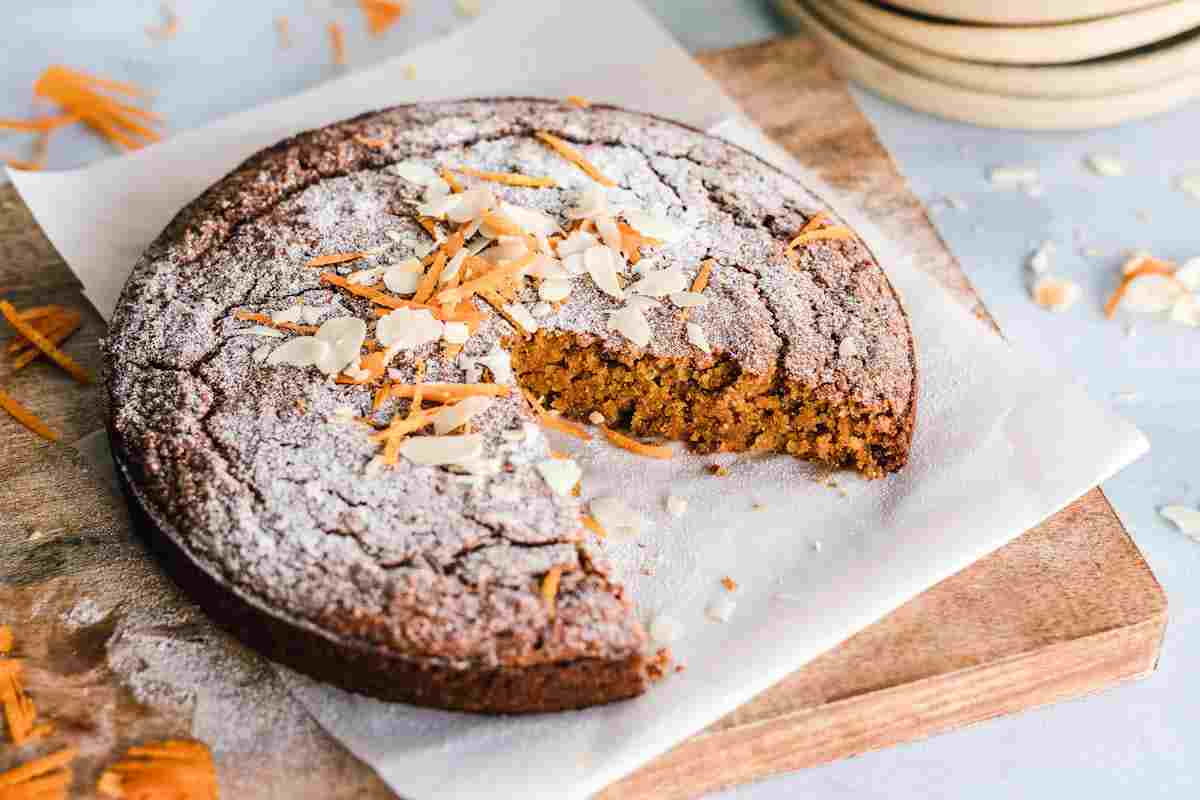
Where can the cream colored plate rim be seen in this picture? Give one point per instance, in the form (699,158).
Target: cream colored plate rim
(1039,44)
(1109,77)
(1022,12)
(993,110)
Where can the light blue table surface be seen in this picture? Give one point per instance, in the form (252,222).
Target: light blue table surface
(1140,740)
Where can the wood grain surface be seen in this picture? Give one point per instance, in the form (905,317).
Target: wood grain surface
(1068,608)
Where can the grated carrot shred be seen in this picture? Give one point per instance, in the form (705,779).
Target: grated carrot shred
(1148,266)
(498,302)
(170,769)
(367,141)
(335,258)
(556,422)
(78,95)
(285,32)
(337,41)
(575,157)
(831,233)
(374,295)
(430,227)
(550,590)
(592,525)
(382,14)
(6,639)
(578,101)
(263,319)
(634,446)
(31,333)
(169,28)
(375,365)
(700,284)
(450,391)
(430,279)
(729,583)
(19,711)
(62,330)
(817,220)
(632,242)
(44,778)
(485,282)
(507,178)
(500,225)
(451,181)
(26,417)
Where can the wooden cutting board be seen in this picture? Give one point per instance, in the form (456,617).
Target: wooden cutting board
(1068,608)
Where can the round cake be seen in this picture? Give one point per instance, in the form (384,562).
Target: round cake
(329,382)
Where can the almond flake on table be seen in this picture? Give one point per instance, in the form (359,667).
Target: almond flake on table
(676,505)
(1039,261)
(1152,294)
(1107,166)
(1055,294)
(616,517)
(1014,175)
(721,608)
(1185,518)
(665,629)
(436,451)
(560,474)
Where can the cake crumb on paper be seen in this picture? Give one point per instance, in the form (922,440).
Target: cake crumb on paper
(1014,175)
(1105,165)
(721,608)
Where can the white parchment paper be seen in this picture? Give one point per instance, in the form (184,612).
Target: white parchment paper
(1001,444)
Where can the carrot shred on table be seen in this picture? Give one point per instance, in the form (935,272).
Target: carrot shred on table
(56,335)
(592,525)
(578,101)
(1147,266)
(26,417)
(634,446)
(382,14)
(451,181)
(550,589)
(79,96)
(575,157)
(283,29)
(507,178)
(31,333)
(337,40)
(20,713)
(44,778)
(170,769)
(335,258)
(6,639)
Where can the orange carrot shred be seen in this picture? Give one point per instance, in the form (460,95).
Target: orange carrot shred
(337,40)
(382,14)
(555,422)
(263,319)
(817,220)
(174,768)
(508,178)
(485,282)
(335,258)
(26,417)
(1147,266)
(700,284)
(31,333)
(451,181)
(634,446)
(578,101)
(729,583)
(6,639)
(19,711)
(592,525)
(430,279)
(79,96)
(819,235)
(66,326)
(169,28)
(367,141)
(550,590)
(28,780)
(575,157)
(430,227)
(500,225)
(455,391)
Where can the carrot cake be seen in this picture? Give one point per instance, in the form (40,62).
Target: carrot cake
(329,381)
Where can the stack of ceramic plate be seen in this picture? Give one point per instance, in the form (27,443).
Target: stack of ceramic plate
(1034,64)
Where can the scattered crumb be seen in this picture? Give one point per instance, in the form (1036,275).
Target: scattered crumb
(756,506)
(718,470)
(1014,175)
(816,545)
(1055,294)
(1108,166)
(1142,215)
(729,583)
(679,668)
(1039,261)
(721,608)
(657,668)
(468,8)
(1129,398)
(1130,330)
(1033,189)
(676,505)
(409,72)
(1091,251)
(596,418)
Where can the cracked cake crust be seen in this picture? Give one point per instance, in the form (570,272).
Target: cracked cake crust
(418,583)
